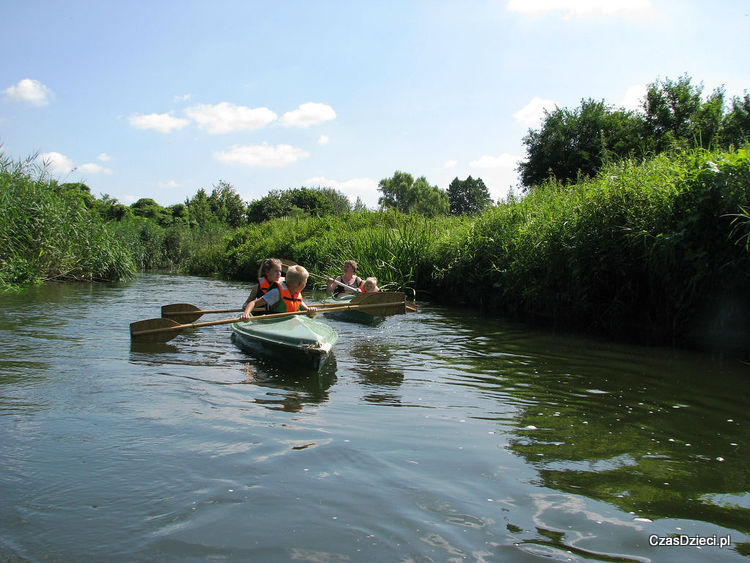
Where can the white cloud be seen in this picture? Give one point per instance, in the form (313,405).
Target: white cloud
(171,184)
(31,91)
(104,157)
(634,96)
(262,155)
(582,8)
(531,114)
(56,162)
(183,98)
(93,168)
(162,122)
(450,164)
(498,173)
(225,117)
(308,114)
(323,140)
(505,160)
(364,188)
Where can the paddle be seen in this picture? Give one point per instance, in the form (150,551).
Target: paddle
(163,330)
(287,263)
(187,313)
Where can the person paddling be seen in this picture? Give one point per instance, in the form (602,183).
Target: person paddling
(269,277)
(349,278)
(286,297)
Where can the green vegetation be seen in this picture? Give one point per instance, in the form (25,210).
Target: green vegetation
(577,143)
(608,239)
(51,232)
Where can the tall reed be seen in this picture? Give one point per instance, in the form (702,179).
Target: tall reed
(45,234)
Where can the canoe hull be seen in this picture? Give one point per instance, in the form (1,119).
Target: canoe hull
(297,340)
(352,315)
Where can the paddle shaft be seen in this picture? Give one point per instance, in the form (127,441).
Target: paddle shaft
(180,327)
(288,263)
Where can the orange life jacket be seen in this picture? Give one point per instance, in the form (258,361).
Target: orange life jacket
(289,302)
(264,286)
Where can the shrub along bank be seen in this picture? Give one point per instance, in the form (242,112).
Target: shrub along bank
(655,250)
(658,250)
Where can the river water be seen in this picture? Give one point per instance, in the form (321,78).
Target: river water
(433,436)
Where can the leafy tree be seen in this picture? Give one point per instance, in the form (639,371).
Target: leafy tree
(315,202)
(77,191)
(467,197)
(407,195)
(735,125)
(199,209)
(577,142)
(148,208)
(180,213)
(675,115)
(226,205)
(110,209)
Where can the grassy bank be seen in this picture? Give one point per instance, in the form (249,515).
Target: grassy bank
(47,233)
(658,250)
(655,250)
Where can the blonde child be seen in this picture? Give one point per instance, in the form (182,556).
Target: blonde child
(285,298)
(370,285)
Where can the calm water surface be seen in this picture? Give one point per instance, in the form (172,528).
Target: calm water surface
(435,436)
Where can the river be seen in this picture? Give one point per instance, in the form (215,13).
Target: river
(439,435)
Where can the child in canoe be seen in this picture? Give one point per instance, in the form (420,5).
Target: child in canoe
(269,277)
(349,277)
(370,285)
(284,298)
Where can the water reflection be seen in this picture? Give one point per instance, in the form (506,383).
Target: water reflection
(373,363)
(290,392)
(649,431)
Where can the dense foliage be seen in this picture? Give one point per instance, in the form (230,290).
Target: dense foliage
(50,231)
(615,241)
(577,143)
(403,193)
(468,197)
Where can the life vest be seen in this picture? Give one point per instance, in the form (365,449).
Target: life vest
(289,302)
(264,286)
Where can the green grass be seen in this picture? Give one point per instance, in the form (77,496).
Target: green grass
(47,234)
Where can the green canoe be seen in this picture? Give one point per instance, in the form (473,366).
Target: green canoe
(298,339)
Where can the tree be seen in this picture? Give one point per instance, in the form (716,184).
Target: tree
(148,208)
(735,125)
(675,115)
(199,209)
(467,197)
(226,205)
(315,202)
(403,193)
(577,142)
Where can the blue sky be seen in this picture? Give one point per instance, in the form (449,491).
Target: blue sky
(160,98)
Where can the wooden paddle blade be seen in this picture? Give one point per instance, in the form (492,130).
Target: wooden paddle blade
(154,330)
(381,303)
(181,312)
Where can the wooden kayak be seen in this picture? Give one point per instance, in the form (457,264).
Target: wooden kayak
(299,340)
(349,315)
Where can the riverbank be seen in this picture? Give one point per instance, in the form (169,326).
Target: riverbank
(655,251)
